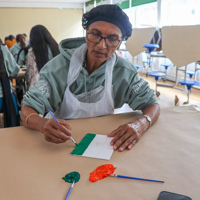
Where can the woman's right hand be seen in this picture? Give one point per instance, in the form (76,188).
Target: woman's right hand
(53,131)
(56,132)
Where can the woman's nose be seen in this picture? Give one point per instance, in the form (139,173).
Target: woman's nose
(102,43)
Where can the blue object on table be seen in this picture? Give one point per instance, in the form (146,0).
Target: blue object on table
(142,179)
(151,47)
(69,191)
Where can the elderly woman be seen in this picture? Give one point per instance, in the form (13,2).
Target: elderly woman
(89,80)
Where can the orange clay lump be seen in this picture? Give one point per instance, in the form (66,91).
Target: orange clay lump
(102,172)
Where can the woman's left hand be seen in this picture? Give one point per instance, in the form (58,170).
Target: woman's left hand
(126,135)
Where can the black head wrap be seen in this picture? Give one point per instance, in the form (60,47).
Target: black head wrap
(109,13)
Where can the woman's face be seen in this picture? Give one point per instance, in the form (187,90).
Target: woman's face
(100,52)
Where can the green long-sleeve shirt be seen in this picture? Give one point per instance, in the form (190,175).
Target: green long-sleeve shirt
(15,51)
(48,92)
(12,68)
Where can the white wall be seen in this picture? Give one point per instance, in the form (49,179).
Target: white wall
(61,23)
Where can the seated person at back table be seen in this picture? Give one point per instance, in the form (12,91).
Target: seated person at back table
(21,43)
(89,80)
(43,48)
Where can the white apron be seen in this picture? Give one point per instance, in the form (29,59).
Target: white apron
(101,98)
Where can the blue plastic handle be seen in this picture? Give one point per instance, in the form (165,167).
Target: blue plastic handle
(142,179)
(68,193)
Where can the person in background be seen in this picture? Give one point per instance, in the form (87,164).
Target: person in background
(20,60)
(1,42)
(8,103)
(88,79)
(43,48)
(26,37)
(21,43)
(13,39)
(10,41)
(6,38)
(22,56)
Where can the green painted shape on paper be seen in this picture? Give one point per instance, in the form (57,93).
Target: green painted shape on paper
(83,145)
(72,177)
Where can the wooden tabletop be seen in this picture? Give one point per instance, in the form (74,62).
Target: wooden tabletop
(32,169)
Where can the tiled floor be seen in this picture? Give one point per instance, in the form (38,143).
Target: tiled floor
(167,95)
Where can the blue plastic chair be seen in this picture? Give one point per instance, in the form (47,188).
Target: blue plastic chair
(139,66)
(157,75)
(191,73)
(150,48)
(189,84)
(166,66)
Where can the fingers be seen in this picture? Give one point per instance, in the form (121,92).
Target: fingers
(63,122)
(53,139)
(57,132)
(125,137)
(130,146)
(113,133)
(127,140)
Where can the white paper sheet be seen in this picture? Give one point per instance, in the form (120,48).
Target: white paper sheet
(99,148)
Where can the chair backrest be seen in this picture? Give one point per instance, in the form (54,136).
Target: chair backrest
(157,39)
(25,50)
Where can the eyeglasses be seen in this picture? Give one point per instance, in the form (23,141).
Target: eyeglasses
(109,41)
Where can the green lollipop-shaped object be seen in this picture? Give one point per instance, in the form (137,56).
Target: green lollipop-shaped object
(72,177)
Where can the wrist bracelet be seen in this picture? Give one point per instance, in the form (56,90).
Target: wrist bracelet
(148,119)
(26,121)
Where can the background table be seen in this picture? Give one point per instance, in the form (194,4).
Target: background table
(32,169)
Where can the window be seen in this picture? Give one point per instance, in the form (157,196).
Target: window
(180,12)
(143,16)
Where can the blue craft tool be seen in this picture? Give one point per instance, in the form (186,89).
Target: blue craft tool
(70,189)
(59,122)
(142,179)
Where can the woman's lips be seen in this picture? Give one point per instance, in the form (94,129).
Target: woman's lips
(99,54)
